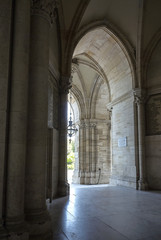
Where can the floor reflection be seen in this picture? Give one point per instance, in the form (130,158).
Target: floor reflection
(101,212)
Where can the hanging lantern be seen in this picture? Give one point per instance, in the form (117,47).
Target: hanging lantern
(71,129)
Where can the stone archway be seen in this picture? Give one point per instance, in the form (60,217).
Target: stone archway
(105,78)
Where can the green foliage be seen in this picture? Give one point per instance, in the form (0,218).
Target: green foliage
(71,156)
(73,146)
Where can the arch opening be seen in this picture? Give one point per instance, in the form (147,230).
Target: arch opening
(103,84)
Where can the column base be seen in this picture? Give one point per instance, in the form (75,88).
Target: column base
(39,225)
(142,185)
(16,228)
(87,178)
(3,233)
(63,189)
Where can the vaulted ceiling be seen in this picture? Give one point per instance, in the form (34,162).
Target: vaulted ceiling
(127,15)
(97,53)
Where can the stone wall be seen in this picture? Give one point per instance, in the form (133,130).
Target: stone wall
(103,154)
(153,161)
(123,144)
(153,120)
(103,151)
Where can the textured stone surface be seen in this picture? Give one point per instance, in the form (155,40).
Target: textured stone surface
(5,25)
(153,117)
(123,158)
(153,161)
(117,53)
(93,160)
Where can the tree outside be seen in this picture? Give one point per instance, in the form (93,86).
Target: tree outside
(71,155)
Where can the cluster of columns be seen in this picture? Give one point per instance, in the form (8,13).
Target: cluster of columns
(23,205)
(87,153)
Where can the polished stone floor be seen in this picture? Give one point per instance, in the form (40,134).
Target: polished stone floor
(103,212)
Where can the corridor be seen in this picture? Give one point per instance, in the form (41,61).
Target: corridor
(103,212)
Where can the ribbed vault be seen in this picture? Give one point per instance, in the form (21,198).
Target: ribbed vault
(100,49)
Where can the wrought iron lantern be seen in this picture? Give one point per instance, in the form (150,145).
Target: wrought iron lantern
(71,129)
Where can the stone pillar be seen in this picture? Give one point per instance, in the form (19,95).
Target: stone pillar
(93,147)
(87,152)
(81,153)
(139,100)
(110,130)
(109,141)
(87,143)
(14,219)
(42,14)
(5,44)
(63,186)
(93,153)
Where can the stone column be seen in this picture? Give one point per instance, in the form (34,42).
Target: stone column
(42,14)
(109,141)
(5,45)
(87,143)
(93,147)
(63,186)
(18,120)
(81,152)
(139,96)
(93,153)
(87,152)
(110,130)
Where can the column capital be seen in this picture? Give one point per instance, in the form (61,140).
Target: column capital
(44,8)
(66,84)
(81,124)
(90,125)
(139,96)
(85,124)
(109,109)
(74,67)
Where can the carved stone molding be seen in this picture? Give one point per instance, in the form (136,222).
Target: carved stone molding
(110,111)
(81,125)
(120,99)
(74,68)
(44,8)
(91,125)
(139,96)
(66,84)
(87,125)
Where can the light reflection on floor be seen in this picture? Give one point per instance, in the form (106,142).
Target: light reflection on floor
(101,212)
